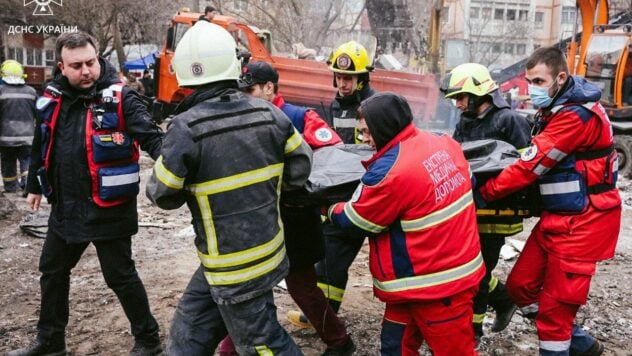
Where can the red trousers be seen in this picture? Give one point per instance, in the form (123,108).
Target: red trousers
(557,286)
(445,325)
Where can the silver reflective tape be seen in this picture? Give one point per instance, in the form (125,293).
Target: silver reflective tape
(556,155)
(345,123)
(17,96)
(559,188)
(112,181)
(16,138)
(540,169)
(559,346)
(531,308)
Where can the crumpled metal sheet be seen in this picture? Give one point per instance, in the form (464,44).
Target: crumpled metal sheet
(35,224)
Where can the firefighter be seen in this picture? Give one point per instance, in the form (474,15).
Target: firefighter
(486,115)
(415,201)
(351,65)
(574,163)
(228,155)
(17,125)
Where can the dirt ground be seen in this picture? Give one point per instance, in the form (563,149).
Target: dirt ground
(165,258)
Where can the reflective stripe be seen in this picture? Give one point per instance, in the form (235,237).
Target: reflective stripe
(349,123)
(478,318)
(331,292)
(540,169)
(122,179)
(493,283)
(17,96)
(556,155)
(439,216)
(431,279)
(361,222)
(24,174)
(263,350)
(236,181)
(559,188)
(9,179)
(531,308)
(502,212)
(166,177)
(16,138)
(293,142)
(555,345)
(500,228)
(242,257)
(245,274)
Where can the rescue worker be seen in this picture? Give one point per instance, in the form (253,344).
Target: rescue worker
(17,125)
(415,203)
(228,155)
(486,115)
(85,161)
(350,64)
(573,161)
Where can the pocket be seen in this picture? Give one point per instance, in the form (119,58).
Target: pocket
(118,182)
(110,121)
(563,191)
(574,281)
(111,147)
(553,224)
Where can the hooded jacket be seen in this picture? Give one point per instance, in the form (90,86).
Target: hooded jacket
(574,127)
(415,200)
(17,115)
(74,215)
(228,155)
(343,113)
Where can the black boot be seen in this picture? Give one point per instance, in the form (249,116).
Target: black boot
(478,332)
(141,349)
(503,317)
(347,350)
(42,347)
(595,350)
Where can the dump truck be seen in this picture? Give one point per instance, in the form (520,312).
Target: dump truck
(302,82)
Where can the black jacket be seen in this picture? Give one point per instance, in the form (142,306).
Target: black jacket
(343,113)
(73,214)
(17,115)
(499,122)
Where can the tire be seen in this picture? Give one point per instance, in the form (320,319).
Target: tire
(623,145)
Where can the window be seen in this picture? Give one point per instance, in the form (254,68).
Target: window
(50,58)
(511,15)
(487,13)
(509,48)
(523,15)
(521,49)
(474,11)
(445,14)
(34,57)
(499,14)
(539,17)
(496,48)
(16,54)
(568,14)
(241,5)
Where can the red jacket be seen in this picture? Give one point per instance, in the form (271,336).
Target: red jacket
(575,128)
(416,200)
(314,129)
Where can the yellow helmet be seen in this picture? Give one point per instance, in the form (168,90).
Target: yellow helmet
(350,58)
(12,72)
(471,78)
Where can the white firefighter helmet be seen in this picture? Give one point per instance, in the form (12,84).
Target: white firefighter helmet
(207,53)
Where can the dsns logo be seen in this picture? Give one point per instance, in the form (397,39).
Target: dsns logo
(42,7)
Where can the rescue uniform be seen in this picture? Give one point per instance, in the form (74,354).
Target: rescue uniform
(573,161)
(415,201)
(233,196)
(498,122)
(91,205)
(341,247)
(17,124)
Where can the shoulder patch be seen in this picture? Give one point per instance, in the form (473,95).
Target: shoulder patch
(323,134)
(380,168)
(583,113)
(529,153)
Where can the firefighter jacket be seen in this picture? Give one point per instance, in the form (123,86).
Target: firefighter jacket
(498,122)
(74,214)
(415,201)
(315,130)
(573,161)
(17,115)
(343,113)
(228,156)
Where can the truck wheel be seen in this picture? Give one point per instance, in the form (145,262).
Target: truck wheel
(623,145)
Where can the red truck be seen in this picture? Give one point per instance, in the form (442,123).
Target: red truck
(302,82)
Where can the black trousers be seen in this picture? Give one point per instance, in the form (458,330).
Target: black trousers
(497,298)
(115,256)
(13,178)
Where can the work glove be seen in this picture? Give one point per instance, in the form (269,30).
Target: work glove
(479,201)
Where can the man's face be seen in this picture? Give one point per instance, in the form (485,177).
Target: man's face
(261,91)
(541,76)
(210,15)
(366,135)
(80,66)
(346,83)
(461,101)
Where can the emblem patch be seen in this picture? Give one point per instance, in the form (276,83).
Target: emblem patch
(118,138)
(529,153)
(197,69)
(343,61)
(323,135)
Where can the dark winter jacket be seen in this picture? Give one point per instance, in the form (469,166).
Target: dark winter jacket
(343,113)
(17,115)
(73,214)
